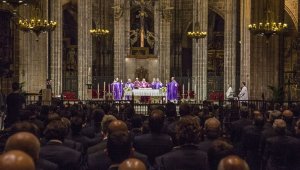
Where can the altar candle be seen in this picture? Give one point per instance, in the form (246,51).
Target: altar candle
(98,91)
(183,90)
(109,88)
(195,88)
(104,86)
(114,87)
(188,87)
(166,83)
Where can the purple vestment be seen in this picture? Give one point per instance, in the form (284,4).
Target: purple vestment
(128,85)
(136,84)
(117,90)
(172,90)
(157,85)
(143,85)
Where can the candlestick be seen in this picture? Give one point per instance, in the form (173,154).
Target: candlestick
(104,86)
(113,92)
(109,88)
(166,83)
(98,91)
(183,91)
(189,90)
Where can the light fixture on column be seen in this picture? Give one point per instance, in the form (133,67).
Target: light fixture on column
(196,34)
(268,26)
(36,24)
(99,32)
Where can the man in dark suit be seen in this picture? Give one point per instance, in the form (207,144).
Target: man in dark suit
(268,133)
(28,143)
(104,126)
(268,123)
(136,122)
(54,151)
(251,140)
(233,163)
(76,135)
(279,149)
(237,128)
(212,130)
(49,84)
(252,126)
(287,116)
(95,127)
(154,143)
(218,150)
(188,156)
(171,115)
(129,112)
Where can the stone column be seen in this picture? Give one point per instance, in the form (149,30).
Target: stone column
(33,55)
(200,50)
(230,44)
(56,45)
(121,39)
(298,55)
(162,49)
(84,47)
(245,44)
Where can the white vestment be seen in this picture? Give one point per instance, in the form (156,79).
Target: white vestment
(229,93)
(243,94)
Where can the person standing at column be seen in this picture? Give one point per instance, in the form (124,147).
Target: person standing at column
(172,90)
(49,84)
(136,83)
(229,94)
(128,84)
(15,102)
(116,88)
(243,94)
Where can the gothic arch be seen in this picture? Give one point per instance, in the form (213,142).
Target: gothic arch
(293,17)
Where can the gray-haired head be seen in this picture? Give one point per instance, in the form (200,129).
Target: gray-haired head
(275,114)
(280,126)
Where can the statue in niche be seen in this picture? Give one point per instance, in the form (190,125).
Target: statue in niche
(72,62)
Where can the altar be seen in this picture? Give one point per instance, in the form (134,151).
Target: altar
(156,95)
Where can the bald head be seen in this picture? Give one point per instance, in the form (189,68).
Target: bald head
(233,163)
(132,164)
(256,113)
(117,125)
(25,142)
(212,128)
(16,160)
(288,113)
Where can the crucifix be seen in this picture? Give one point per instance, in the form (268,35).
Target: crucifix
(142,16)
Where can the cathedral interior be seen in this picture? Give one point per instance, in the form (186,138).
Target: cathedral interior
(149,38)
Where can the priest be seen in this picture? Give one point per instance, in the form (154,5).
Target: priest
(152,85)
(144,84)
(158,84)
(172,90)
(136,83)
(117,90)
(128,84)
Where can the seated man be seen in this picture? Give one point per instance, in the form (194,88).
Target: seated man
(233,163)
(29,144)
(132,164)
(16,160)
(56,152)
(212,131)
(136,122)
(154,143)
(188,156)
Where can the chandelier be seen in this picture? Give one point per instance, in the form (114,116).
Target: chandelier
(99,32)
(36,24)
(269,27)
(196,34)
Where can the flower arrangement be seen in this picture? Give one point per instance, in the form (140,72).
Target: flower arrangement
(163,89)
(127,88)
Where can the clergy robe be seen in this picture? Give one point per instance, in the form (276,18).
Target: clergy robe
(144,85)
(118,90)
(136,84)
(128,85)
(157,85)
(172,90)
(152,85)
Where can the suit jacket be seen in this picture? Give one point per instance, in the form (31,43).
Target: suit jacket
(168,122)
(43,164)
(268,125)
(98,147)
(153,145)
(170,130)
(237,128)
(95,164)
(206,144)
(266,134)
(279,152)
(251,141)
(68,143)
(90,131)
(66,158)
(85,141)
(135,132)
(188,157)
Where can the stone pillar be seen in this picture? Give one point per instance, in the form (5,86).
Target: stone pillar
(200,50)
(84,47)
(56,47)
(121,39)
(245,44)
(230,44)
(298,54)
(33,53)
(162,46)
